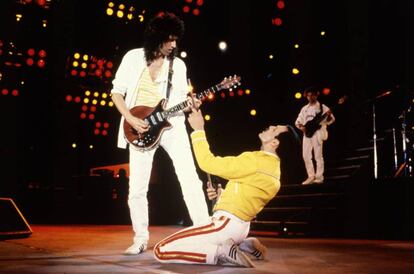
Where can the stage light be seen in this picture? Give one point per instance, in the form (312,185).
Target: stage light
(91,116)
(84,65)
(104,132)
(82,74)
(96,131)
(247,91)
(277,21)
(103,103)
(77,99)
(29,62)
(120,13)
(298,95)
(253,112)
(93,108)
(15,92)
(75,64)
(87,93)
(86,100)
(196,12)
(4,91)
(98,124)
(240,92)
(84,108)
(271,56)
(90,146)
(210,97)
(85,57)
(106,125)
(42,53)
(96,94)
(326,91)
(109,64)
(280,4)
(41,63)
(186,9)
(183,54)
(104,95)
(94,101)
(108,74)
(44,23)
(231,93)
(111,104)
(296,46)
(222,46)
(295,71)
(207,117)
(223,95)
(322,33)
(31,52)
(74,145)
(18,17)
(68,98)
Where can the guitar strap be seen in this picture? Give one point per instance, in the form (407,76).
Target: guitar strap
(169,82)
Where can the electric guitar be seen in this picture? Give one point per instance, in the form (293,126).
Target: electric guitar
(313,125)
(157,116)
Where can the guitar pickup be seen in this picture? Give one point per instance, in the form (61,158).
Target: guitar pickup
(159,117)
(153,120)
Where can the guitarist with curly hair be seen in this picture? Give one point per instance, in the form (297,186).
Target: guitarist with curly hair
(313,120)
(146,77)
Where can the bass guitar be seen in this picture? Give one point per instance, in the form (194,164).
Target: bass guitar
(313,125)
(157,117)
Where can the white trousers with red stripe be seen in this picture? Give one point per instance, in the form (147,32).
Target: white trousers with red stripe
(199,244)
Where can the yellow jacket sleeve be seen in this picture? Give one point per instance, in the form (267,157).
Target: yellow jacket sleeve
(230,167)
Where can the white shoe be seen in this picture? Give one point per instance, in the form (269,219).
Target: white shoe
(136,248)
(308,181)
(230,254)
(254,248)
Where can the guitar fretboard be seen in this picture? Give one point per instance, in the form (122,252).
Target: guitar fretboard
(168,112)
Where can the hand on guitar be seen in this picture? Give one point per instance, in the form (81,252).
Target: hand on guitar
(192,102)
(212,193)
(138,124)
(196,120)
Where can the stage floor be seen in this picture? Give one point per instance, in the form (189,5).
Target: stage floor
(98,249)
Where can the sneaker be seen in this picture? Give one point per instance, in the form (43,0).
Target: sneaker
(254,248)
(308,181)
(230,254)
(136,248)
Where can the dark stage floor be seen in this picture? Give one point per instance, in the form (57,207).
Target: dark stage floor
(98,249)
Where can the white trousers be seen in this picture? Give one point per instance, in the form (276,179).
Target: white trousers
(199,244)
(314,143)
(176,143)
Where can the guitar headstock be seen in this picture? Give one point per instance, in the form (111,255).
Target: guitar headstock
(230,82)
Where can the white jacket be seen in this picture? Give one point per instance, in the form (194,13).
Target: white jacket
(127,80)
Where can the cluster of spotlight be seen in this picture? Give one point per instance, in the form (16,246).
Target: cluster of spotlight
(84,64)
(123,11)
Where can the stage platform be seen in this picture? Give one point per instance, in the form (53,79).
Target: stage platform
(98,249)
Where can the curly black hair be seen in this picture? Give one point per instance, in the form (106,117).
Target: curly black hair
(158,31)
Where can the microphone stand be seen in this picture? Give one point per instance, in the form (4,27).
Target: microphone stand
(374,131)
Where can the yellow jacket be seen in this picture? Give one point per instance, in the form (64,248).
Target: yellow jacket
(254,177)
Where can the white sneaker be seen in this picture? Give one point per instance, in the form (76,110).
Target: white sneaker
(230,254)
(254,248)
(308,181)
(136,248)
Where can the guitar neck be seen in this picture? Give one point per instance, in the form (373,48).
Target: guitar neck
(201,95)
